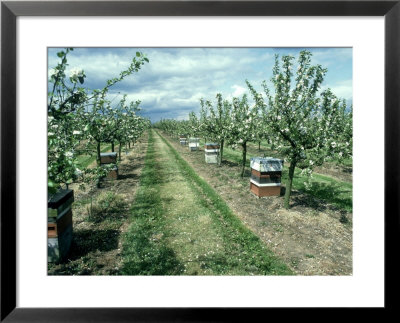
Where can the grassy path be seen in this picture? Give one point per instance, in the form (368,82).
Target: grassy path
(180,225)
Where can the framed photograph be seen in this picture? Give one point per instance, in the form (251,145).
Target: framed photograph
(364,36)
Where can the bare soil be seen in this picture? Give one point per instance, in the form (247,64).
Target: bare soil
(309,236)
(96,244)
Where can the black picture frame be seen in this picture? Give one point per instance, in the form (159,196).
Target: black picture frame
(10,10)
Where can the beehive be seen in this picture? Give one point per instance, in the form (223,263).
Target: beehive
(266,173)
(108,158)
(113,173)
(182,140)
(194,144)
(59,225)
(211,151)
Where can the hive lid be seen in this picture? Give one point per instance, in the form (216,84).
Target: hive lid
(59,198)
(108,154)
(266,164)
(212,144)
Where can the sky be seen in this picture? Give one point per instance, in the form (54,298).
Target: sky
(171,85)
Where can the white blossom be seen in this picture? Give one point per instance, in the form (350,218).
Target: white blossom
(53,72)
(75,73)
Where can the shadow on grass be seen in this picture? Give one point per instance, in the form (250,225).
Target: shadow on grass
(348,170)
(229,163)
(324,192)
(145,250)
(110,207)
(86,241)
(128,176)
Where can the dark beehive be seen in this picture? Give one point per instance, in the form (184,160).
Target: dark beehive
(59,225)
(108,158)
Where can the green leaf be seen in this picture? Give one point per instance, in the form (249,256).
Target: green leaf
(137,54)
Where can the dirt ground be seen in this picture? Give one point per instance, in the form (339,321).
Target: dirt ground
(309,236)
(96,245)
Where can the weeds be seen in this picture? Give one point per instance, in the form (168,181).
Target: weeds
(108,206)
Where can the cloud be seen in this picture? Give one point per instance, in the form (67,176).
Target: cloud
(342,89)
(238,90)
(171,85)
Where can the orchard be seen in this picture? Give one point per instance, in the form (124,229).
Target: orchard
(255,181)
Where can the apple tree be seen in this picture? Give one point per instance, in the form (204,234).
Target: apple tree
(306,125)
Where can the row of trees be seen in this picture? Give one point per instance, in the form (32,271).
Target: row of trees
(80,117)
(305,125)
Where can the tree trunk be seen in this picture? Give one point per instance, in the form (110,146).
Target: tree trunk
(244,153)
(112,146)
(221,151)
(98,153)
(129,144)
(289,183)
(259,144)
(119,151)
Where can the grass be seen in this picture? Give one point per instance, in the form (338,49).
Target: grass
(180,225)
(143,254)
(336,192)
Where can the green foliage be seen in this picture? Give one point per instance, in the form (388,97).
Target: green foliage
(305,125)
(76,113)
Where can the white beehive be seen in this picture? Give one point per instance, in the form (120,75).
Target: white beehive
(211,151)
(194,144)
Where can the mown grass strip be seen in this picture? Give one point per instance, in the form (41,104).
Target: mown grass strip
(338,193)
(242,247)
(142,254)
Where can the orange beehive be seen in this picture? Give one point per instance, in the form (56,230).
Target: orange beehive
(266,175)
